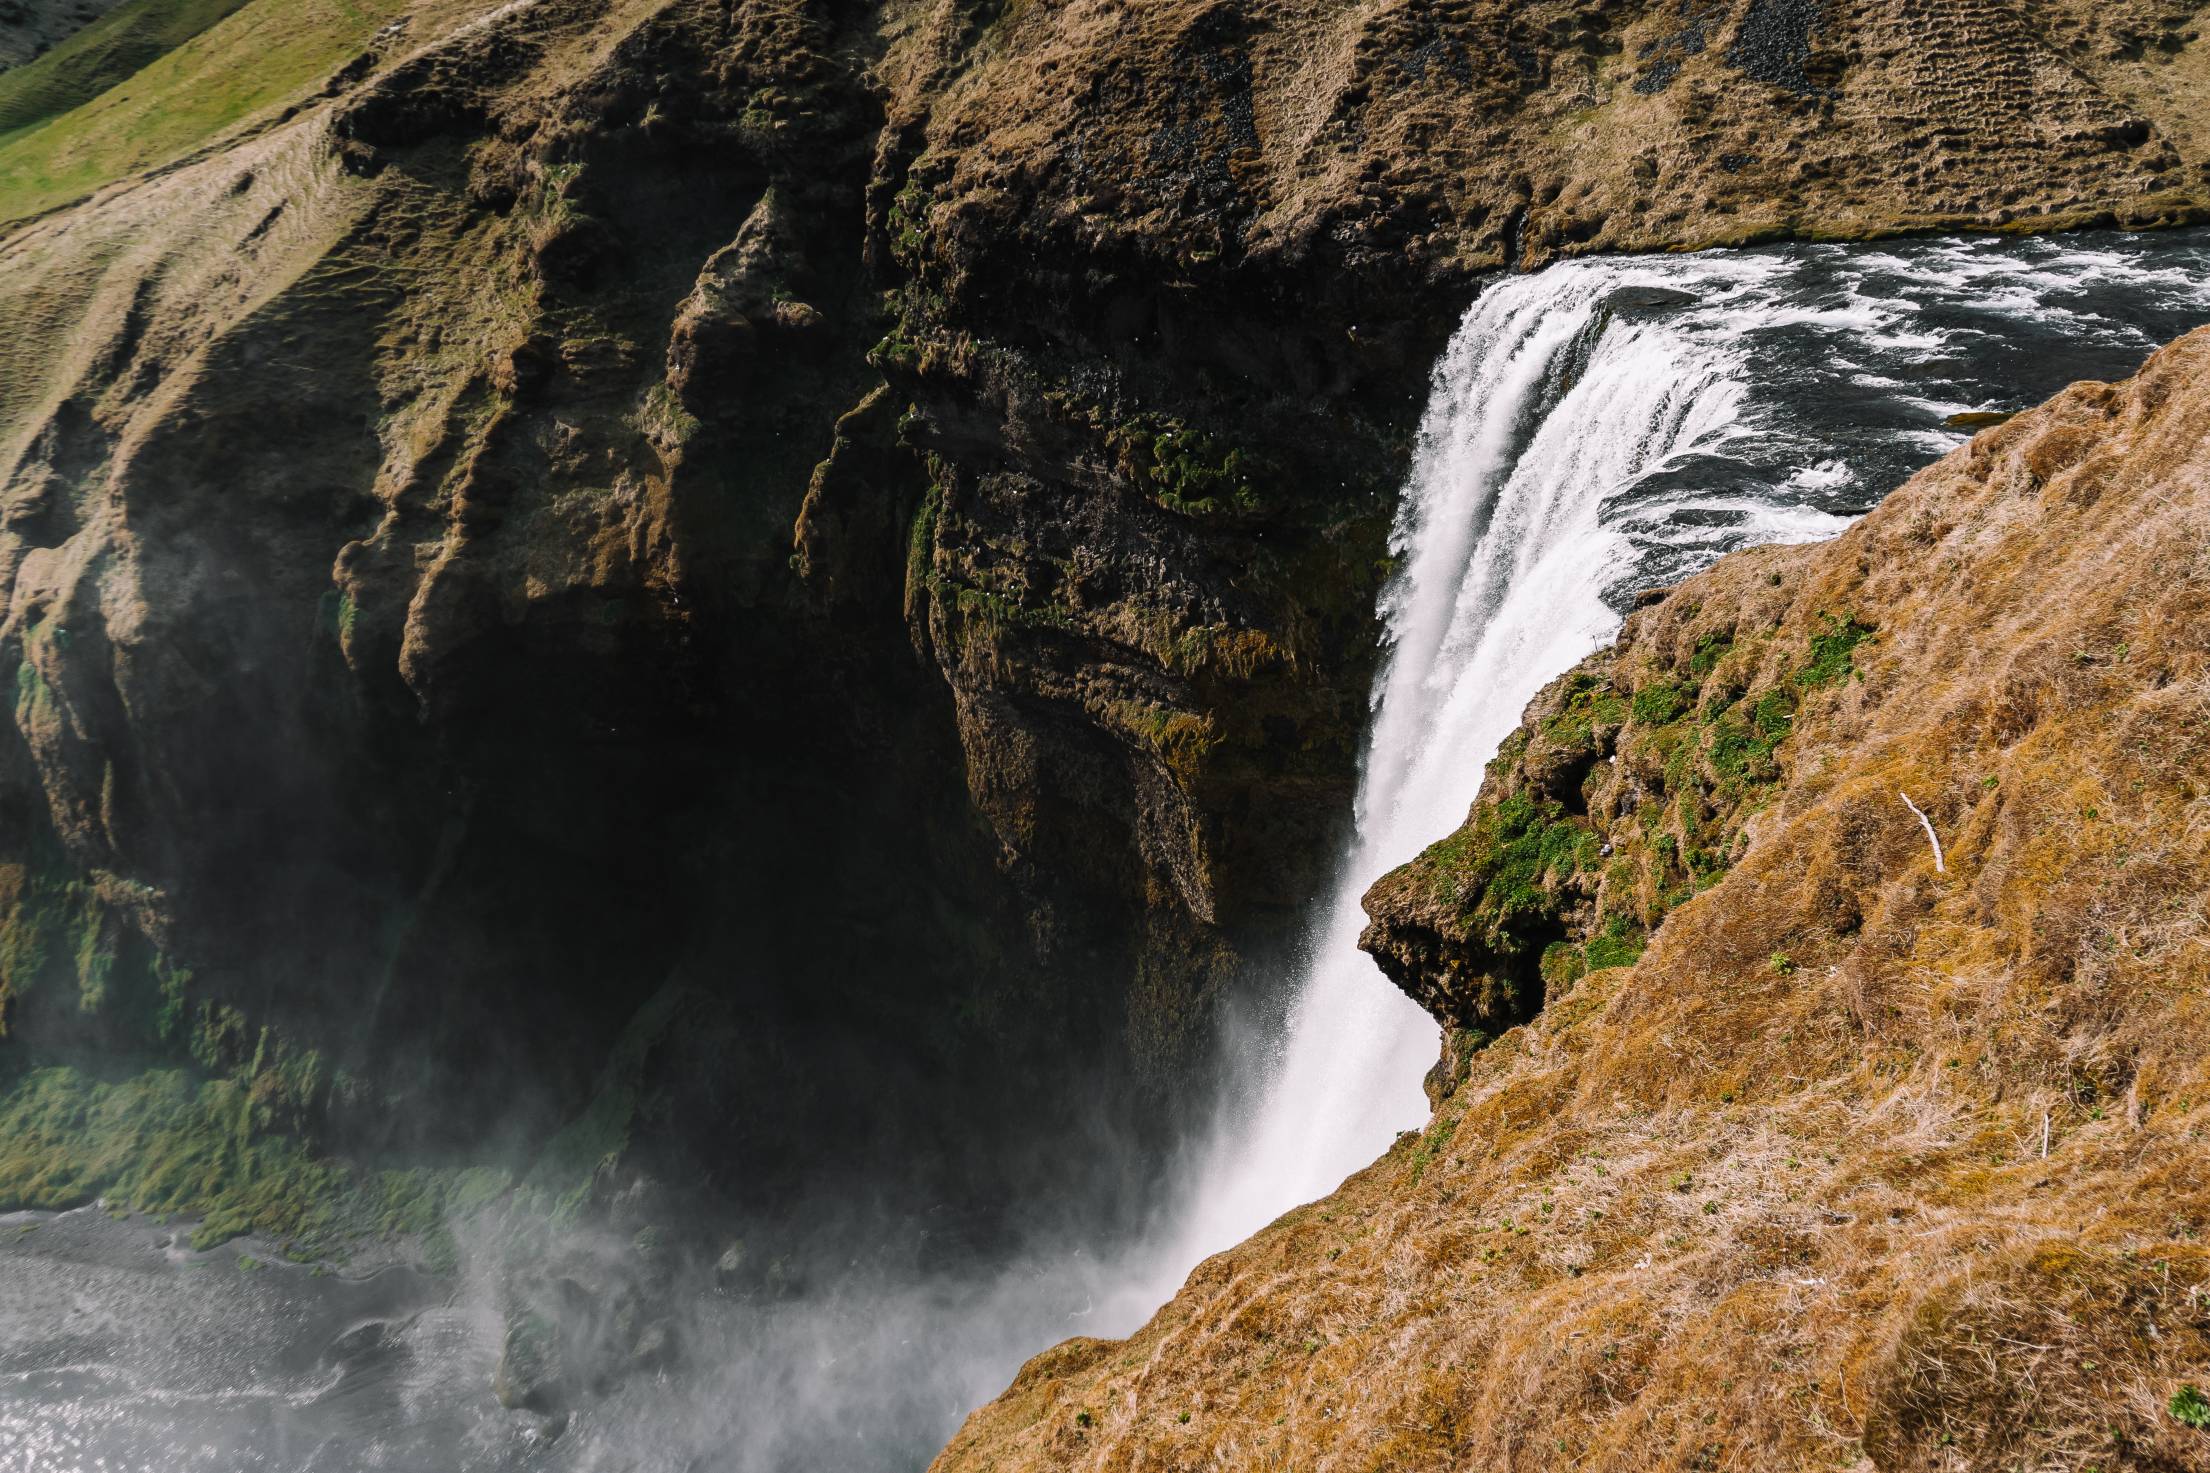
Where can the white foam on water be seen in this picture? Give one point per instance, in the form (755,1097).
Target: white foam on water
(1820,477)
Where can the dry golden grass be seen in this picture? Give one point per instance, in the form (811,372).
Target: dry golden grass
(1930,1199)
(1472,134)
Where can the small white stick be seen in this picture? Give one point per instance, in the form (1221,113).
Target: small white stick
(1928,825)
(2044,1135)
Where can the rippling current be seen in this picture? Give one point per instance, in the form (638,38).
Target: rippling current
(1594,430)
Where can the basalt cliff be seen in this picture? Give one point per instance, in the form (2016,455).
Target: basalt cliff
(641,585)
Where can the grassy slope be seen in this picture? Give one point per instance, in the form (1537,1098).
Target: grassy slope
(261,57)
(101,55)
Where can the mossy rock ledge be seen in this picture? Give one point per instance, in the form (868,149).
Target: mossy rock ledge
(1629,788)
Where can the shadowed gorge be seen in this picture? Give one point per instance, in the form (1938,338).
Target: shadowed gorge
(694,673)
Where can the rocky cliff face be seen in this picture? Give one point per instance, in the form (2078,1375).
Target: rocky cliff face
(413,669)
(1810,1134)
(858,523)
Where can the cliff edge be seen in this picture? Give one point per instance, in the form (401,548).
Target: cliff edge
(1824,968)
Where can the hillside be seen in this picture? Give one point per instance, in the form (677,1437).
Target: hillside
(31,28)
(96,52)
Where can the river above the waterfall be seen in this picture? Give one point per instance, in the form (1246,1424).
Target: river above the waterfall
(1595,430)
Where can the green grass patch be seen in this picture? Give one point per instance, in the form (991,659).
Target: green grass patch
(907,217)
(1431,1145)
(336,614)
(1497,868)
(1661,702)
(1588,704)
(1563,964)
(1739,752)
(663,417)
(116,1083)
(1186,470)
(110,50)
(70,969)
(1745,738)
(1774,715)
(171,1140)
(1619,943)
(1833,651)
(253,60)
(920,547)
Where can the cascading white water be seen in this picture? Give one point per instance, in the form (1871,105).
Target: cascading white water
(1550,414)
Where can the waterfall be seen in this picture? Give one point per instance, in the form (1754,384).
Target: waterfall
(1536,499)
(1594,430)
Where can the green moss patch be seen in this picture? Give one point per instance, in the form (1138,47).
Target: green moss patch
(1663,701)
(1710,650)
(1186,470)
(1589,705)
(71,970)
(1618,943)
(1833,651)
(117,1083)
(171,1140)
(1529,884)
(1500,871)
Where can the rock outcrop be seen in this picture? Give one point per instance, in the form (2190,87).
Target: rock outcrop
(657,559)
(1810,1134)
